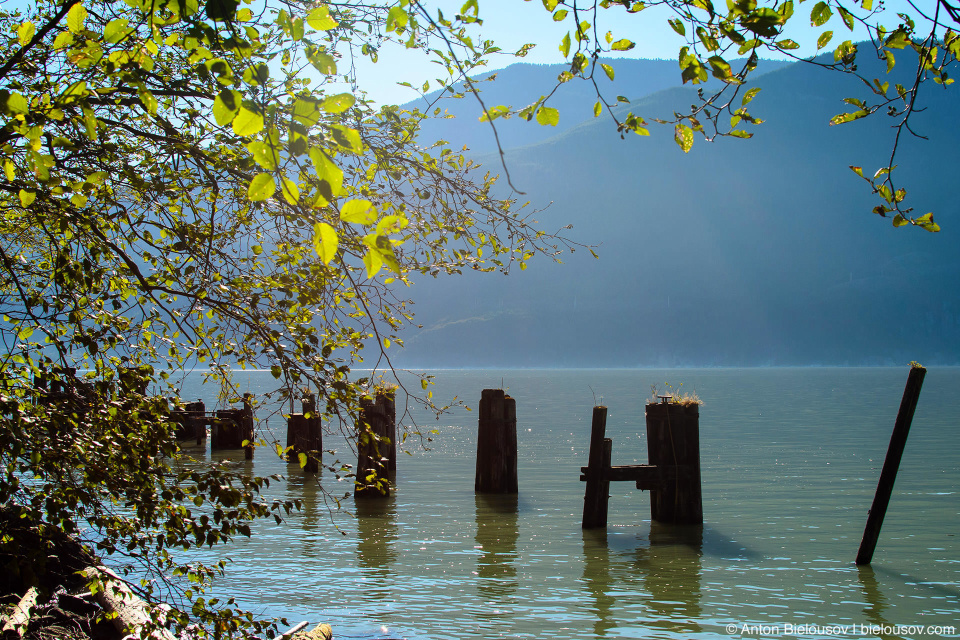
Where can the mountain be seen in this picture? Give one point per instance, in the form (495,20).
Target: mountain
(741,252)
(523,84)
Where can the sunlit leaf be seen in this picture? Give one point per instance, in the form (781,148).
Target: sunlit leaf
(261,187)
(683,135)
(359,212)
(247,123)
(548,116)
(325,241)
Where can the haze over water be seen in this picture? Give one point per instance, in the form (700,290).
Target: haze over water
(790,460)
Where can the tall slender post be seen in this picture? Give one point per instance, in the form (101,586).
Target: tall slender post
(373,466)
(496,443)
(596,496)
(888,475)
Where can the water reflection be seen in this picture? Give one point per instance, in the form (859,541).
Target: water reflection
(306,488)
(496,539)
(377,533)
(671,568)
(597,578)
(877,602)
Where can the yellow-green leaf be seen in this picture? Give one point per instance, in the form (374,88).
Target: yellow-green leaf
(247,123)
(683,135)
(226,106)
(373,262)
(27,197)
(320,19)
(359,212)
(607,69)
(16,103)
(76,17)
(348,139)
(548,116)
(289,190)
(116,30)
(926,221)
(261,187)
(327,171)
(623,44)
(397,19)
(10,170)
(325,241)
(565,45)
(338,103)
(25,33)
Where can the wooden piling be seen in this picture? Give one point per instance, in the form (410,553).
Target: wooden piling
(374,444)
(597,494)
(496,443)
(673,447)
(888,475)
(304,435)
(234,426)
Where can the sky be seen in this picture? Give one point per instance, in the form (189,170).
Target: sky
(513,23)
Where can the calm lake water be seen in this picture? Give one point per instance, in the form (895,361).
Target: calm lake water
(790,462)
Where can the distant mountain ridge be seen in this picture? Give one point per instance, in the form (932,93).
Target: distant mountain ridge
(757,252)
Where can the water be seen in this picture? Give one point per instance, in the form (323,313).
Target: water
(790,461)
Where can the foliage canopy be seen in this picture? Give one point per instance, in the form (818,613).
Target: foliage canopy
(189,184)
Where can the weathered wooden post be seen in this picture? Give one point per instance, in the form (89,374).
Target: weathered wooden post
(673,447)
(234,426)
(597,494)
(304,435)
(246,425)
(373,448)
(190,424)
(888,475)
(496,443)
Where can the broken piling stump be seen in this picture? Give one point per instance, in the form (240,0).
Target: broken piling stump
(673,446)
(233,427)
(304,435)
(375,446)
(672,477)
(496,443)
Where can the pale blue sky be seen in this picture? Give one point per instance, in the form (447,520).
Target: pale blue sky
(513,23)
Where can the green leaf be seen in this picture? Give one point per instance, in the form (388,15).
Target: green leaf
(247,123)
(261,187)
(899,221)
(844,118)
(348,139)
(565,45)
(857,170)
(289,190)
(116,30)
(147,99)
(325,241)
(397,19)
(328,172)
(926,222)
(373,262)
(358,212)
(607,69)
(683,135)
(338,103)
(16,103)
(623,45)
(824,39)
(550,5)
(264,154)
(320,19)
(76,17)
(677,26)
(740,133)
(323,62)
(787,44)
(560,15)
(597,109)
(548,116)
(749,95)
(27,197)
(226,106)
(891,61)
(25,33)
(820,14)
(846,16)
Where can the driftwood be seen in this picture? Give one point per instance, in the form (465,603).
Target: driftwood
(133,613)
(15,624)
